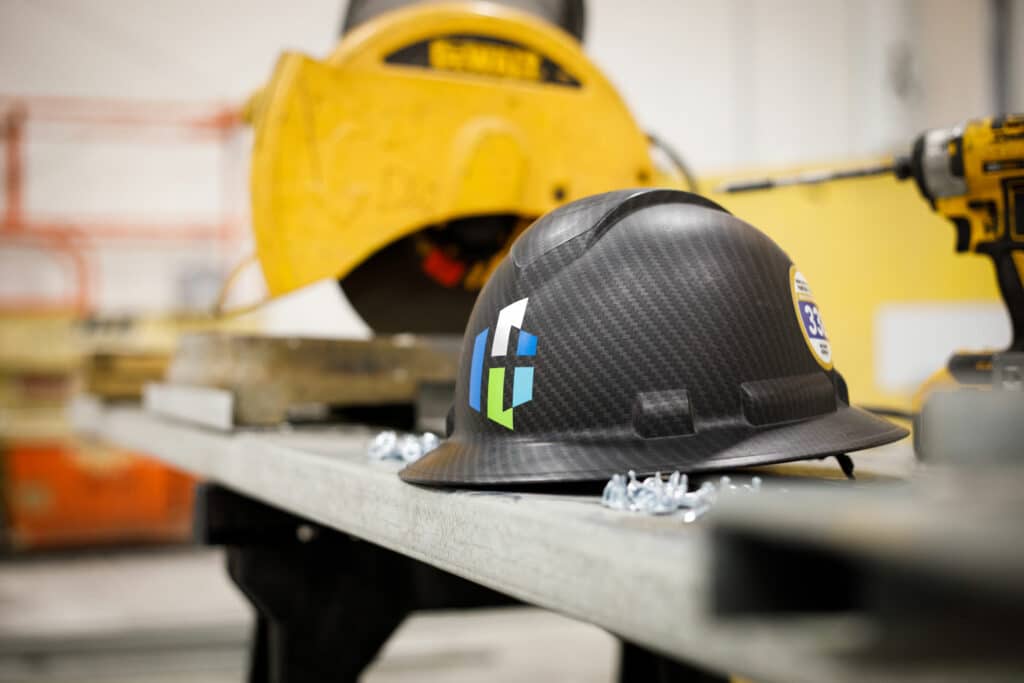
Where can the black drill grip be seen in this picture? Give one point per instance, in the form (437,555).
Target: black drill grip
(1011,285)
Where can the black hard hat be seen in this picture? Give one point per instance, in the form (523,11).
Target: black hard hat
(648,330)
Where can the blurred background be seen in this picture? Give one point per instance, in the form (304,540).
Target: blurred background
(125,206)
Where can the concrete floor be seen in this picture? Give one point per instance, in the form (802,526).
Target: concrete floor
(162,616)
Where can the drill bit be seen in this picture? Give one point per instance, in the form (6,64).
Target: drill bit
(809,178)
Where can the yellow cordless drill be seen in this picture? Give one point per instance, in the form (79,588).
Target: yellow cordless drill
(973,174)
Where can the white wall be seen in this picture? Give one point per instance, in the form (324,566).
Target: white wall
(954,61)
(731,83)
(737,83)
(165,49)
(741,82)
(1017,59)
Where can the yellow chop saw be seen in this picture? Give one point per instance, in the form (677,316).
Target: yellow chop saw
(406,162)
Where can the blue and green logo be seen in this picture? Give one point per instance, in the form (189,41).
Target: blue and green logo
(522,379)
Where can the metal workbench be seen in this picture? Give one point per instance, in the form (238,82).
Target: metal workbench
(649,580)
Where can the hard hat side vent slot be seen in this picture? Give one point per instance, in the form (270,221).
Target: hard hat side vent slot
(785,399)
(662,413)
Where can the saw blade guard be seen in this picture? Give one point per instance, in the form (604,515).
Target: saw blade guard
(424,116)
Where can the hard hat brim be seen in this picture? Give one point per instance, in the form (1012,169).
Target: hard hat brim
(491,462)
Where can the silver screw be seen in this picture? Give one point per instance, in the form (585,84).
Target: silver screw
(383,445)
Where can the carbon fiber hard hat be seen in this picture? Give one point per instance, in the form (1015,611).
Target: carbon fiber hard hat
(647,330)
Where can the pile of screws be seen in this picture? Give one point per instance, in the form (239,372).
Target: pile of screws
(657,496)
(401,446)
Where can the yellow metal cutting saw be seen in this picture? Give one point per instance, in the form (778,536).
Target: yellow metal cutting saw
(405,162)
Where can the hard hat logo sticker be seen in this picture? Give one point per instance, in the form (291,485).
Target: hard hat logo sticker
(522,378)
(809,315)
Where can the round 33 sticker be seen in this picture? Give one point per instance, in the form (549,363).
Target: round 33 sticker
(809,315)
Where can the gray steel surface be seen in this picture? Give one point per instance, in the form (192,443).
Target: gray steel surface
(643,578)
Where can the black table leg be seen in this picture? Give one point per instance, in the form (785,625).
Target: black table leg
(637,664)
(326,602)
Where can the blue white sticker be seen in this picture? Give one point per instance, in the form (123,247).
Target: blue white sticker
(810,319)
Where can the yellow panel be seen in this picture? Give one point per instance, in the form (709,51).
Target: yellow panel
(862,243)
